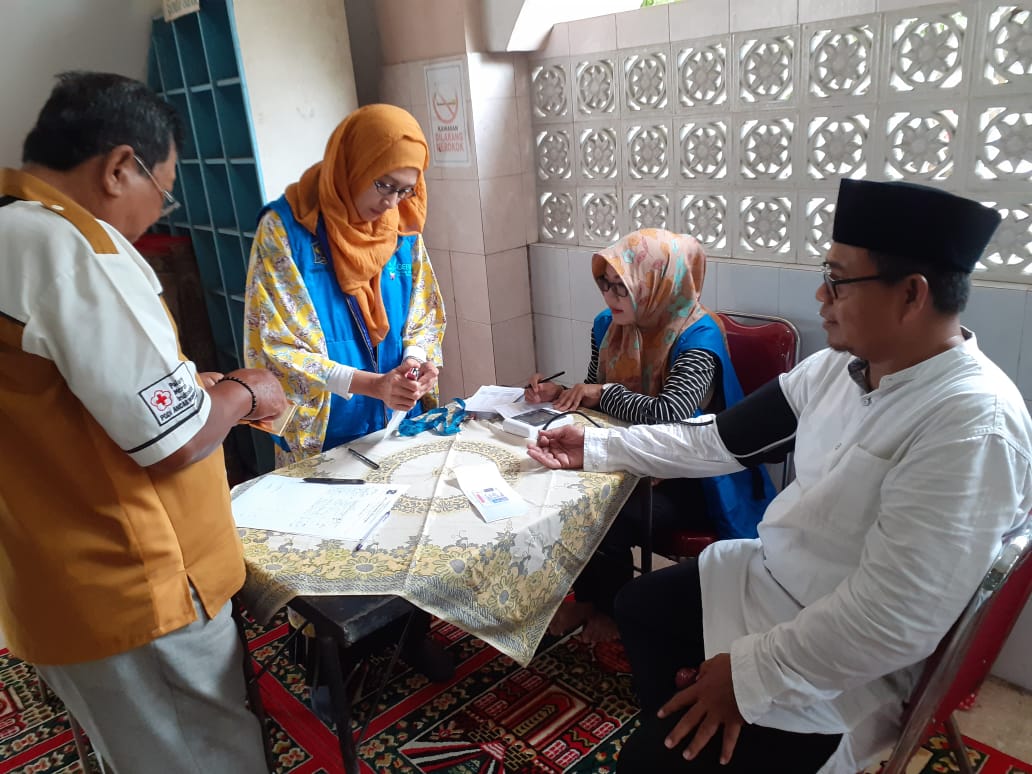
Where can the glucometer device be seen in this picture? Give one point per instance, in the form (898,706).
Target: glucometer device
(529,423)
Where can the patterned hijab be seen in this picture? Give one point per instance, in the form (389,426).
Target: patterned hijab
(663,273)
(369,143)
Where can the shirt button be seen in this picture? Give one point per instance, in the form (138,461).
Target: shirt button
(867,401)
(57,208)
(838,446)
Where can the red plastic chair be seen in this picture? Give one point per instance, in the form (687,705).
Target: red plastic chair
(964,657)
(761,347)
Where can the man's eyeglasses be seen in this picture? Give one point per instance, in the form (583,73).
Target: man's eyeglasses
(832,284)
(386,189)
(171,203)
(619,289)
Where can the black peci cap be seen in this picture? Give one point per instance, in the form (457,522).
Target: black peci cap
(913,221)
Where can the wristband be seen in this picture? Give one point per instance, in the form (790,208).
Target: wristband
(246,386)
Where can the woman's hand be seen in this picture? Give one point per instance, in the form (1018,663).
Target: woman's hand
(397,390)
(538,391)
(587,395)
(209,378)
(425,374)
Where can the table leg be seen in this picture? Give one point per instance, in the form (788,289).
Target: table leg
(329,658)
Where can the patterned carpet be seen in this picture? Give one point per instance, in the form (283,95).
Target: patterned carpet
(568,712)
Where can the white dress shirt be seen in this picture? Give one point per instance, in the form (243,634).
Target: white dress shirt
(901,497)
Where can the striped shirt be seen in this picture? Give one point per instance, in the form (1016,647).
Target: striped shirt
(687,385)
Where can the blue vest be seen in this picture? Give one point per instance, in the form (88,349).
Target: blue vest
(344,329)
(734,503)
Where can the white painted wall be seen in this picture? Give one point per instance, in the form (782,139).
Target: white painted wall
(40,38)
(297,65)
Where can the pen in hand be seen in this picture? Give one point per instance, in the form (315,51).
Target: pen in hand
(364,459)
(548,378)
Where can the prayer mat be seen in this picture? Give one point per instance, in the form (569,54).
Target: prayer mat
(568,712)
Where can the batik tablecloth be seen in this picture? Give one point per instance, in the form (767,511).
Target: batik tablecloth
(501,581)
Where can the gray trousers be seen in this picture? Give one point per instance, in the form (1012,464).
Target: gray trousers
(173,706)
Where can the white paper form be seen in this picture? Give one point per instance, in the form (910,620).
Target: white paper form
(485,488)
(490,397)
(344,512)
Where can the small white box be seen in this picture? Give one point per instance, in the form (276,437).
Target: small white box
(529,423)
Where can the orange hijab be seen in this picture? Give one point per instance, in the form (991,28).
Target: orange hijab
(369,143)
(663,273)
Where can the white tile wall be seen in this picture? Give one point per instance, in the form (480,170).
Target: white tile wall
(996,315)
(580,351)
(698,19)
(553,346)
(1025,353)
(591,35)
(798,304)
(818,10)
(644,27)
(585,300)
(761,14)
(549,281)
(747,288)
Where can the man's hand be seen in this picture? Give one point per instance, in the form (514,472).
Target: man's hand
(538,391)
(559,448)
(711,704)
(268,393)
(587,395)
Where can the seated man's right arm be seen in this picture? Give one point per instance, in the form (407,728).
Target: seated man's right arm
(761,428)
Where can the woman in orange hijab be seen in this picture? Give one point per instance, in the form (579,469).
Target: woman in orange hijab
(342,302)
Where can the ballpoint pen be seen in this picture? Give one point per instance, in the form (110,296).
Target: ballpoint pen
(318,480)
(363,458)
(365,537)
(549,378)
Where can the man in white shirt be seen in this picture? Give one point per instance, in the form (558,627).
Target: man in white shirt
(912,455)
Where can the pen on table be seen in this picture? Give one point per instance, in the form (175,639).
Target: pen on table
(317,480)
(363,458)
(365,537)
(549,378)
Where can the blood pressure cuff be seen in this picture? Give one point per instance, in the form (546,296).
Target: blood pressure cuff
(760,428)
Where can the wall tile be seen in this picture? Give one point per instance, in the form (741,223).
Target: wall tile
(557,43)
(761,14)
(469,277)
(895,5)
(710,283)
(525,134)
(818,10)
(585,300)
(422,114)
(497,134)
(435,230)
(549,280)
(577,368)
(508,284)
(698,19)
(394,85)
(501,199)
(991,313)
(588,36)
(464,223)
(521,66)
(1024,380)
(529,208)
(513,350)
(441,262)
(553,347)
(476,354)
(450,379)
(417,82)
(747,288)
(643,27)
(797,303)
(491,76)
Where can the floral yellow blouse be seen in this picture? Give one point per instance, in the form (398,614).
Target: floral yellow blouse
(283,333)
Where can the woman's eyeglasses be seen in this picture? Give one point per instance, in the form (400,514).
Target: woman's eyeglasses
(171,203)
(386,189)
(619,289)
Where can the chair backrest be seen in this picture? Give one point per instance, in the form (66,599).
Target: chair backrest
(761,347)
(967,652)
